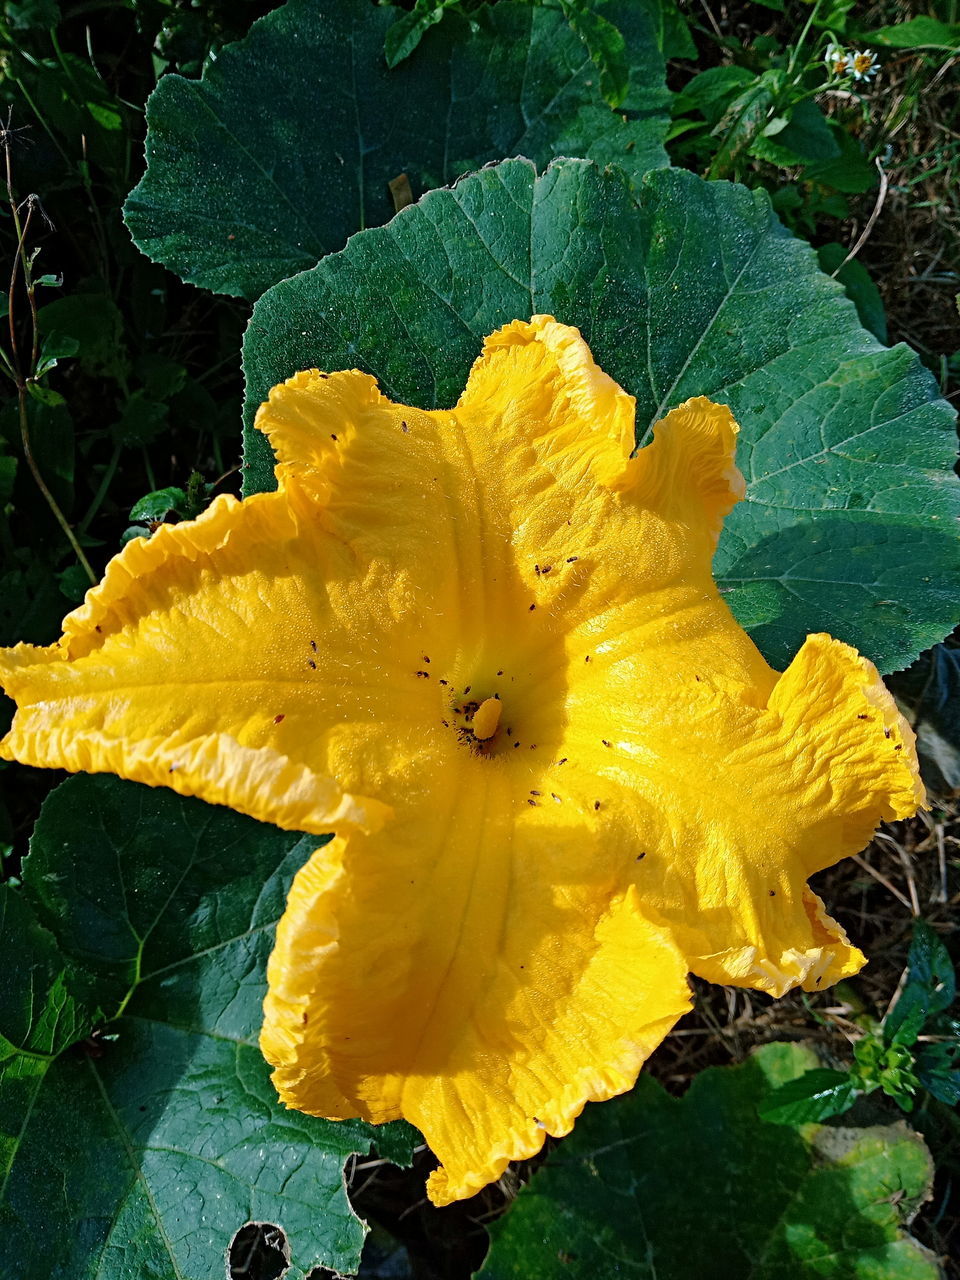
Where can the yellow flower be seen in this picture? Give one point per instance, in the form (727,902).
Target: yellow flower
(484,648)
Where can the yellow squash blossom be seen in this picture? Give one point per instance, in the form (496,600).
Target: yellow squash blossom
(484,648)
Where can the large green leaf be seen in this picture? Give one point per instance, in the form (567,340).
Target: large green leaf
(682,288)
(288,143)
(922,32)
(142,1150)
(653,1186)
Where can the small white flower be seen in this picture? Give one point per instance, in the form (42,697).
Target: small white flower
(838,60)
(865,65)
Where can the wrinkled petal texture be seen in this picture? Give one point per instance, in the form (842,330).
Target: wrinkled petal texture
(502,927)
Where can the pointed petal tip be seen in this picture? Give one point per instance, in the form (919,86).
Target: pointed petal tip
(548,367)
(480,1102)
(452,1181)
(216,768)
(689,466)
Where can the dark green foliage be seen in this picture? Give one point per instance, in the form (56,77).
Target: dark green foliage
(888,1056)
(147,919)
(922,32)
(929,692)
(861,290)
(515,80)
(698,1186)
(930,989)
(133,385)
(601,37)
(814,1096)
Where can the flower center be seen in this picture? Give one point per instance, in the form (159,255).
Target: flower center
(508,706)
(476,720)
(486,718)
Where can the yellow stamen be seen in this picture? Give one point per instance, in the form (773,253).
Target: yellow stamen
(486,718)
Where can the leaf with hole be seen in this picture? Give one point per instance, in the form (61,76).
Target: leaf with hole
(143,1149)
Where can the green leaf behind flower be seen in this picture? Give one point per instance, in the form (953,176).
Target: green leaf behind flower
(682,288)
(654,1186)
(39,1012)
(930,988)
(288,143)
(814,1096)
(922,32)
(141,1150)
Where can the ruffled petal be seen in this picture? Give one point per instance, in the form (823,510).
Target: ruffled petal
(386,482)
(237,659)
(482,971)
(853,750)
(736,800)
(687,473)
(611,550)
(543,400)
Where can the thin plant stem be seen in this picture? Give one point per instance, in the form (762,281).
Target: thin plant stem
(104,485)
(148,468)
(60,518)
(18,259)
(795,51)
(865,233)
(21,263)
